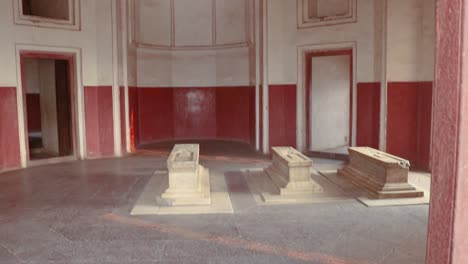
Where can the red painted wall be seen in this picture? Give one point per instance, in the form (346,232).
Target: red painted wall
(235,113)
(133,117)
(260,116)
(252,114)
(192,113)
(33,108)
(155,114)
(409,121)
(9,138)
(99,121)
(282,115)
(423,150)
(123,119)
(368,115)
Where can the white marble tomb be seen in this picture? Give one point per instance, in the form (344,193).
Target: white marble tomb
(381,174)
(189,182)
(291,173)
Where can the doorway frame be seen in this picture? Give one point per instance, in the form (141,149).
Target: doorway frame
(305,54)
(308,90)
(73,56)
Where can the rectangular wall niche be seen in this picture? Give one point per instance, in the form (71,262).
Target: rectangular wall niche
(53,9)
(48,13)
(313,13)
(190,24)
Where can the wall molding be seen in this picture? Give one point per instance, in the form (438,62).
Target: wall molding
(73,23)
(188,48)
(78,98)
(248,39)
(304,21)
(302,52)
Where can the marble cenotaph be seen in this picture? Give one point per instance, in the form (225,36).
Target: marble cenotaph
(290,172)
(384,176)
(189,182)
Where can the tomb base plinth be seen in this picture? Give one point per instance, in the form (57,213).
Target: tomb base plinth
(285,187)
(189,182)
(290,173)
(384,176)
(184,197)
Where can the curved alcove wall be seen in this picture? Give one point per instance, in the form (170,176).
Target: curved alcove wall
(188,24)
(193,77)
(192,113)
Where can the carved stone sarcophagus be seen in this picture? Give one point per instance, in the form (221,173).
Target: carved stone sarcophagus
(188,181)
(290,172)
(381,174)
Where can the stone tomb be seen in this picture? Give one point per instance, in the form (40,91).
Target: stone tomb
(290,172)
(384,176)
(189,182)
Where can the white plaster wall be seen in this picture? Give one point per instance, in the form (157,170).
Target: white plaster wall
(31,67)
(284,37)
(330,102)
(410,40)
(154,68)
(192,68)
(199,27)
(233,67)
(404,25)
(120,44)
(103,44)
(193,22)
(379,31)
(252,65)
(131,48)
(231,22)
(153,22)
(262,30)
(428,41)
(132,66)
(94,39)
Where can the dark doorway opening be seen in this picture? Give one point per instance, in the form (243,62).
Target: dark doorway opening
(49,111)
(51,9)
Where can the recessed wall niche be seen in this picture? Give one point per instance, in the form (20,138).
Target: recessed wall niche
(313,13)
(48,13)
(52,9)
(191,25)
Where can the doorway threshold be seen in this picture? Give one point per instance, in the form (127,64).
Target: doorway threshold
(56,160)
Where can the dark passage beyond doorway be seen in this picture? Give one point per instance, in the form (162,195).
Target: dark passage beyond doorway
(49,108)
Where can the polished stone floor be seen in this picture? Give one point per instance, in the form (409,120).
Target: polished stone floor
(79,213)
